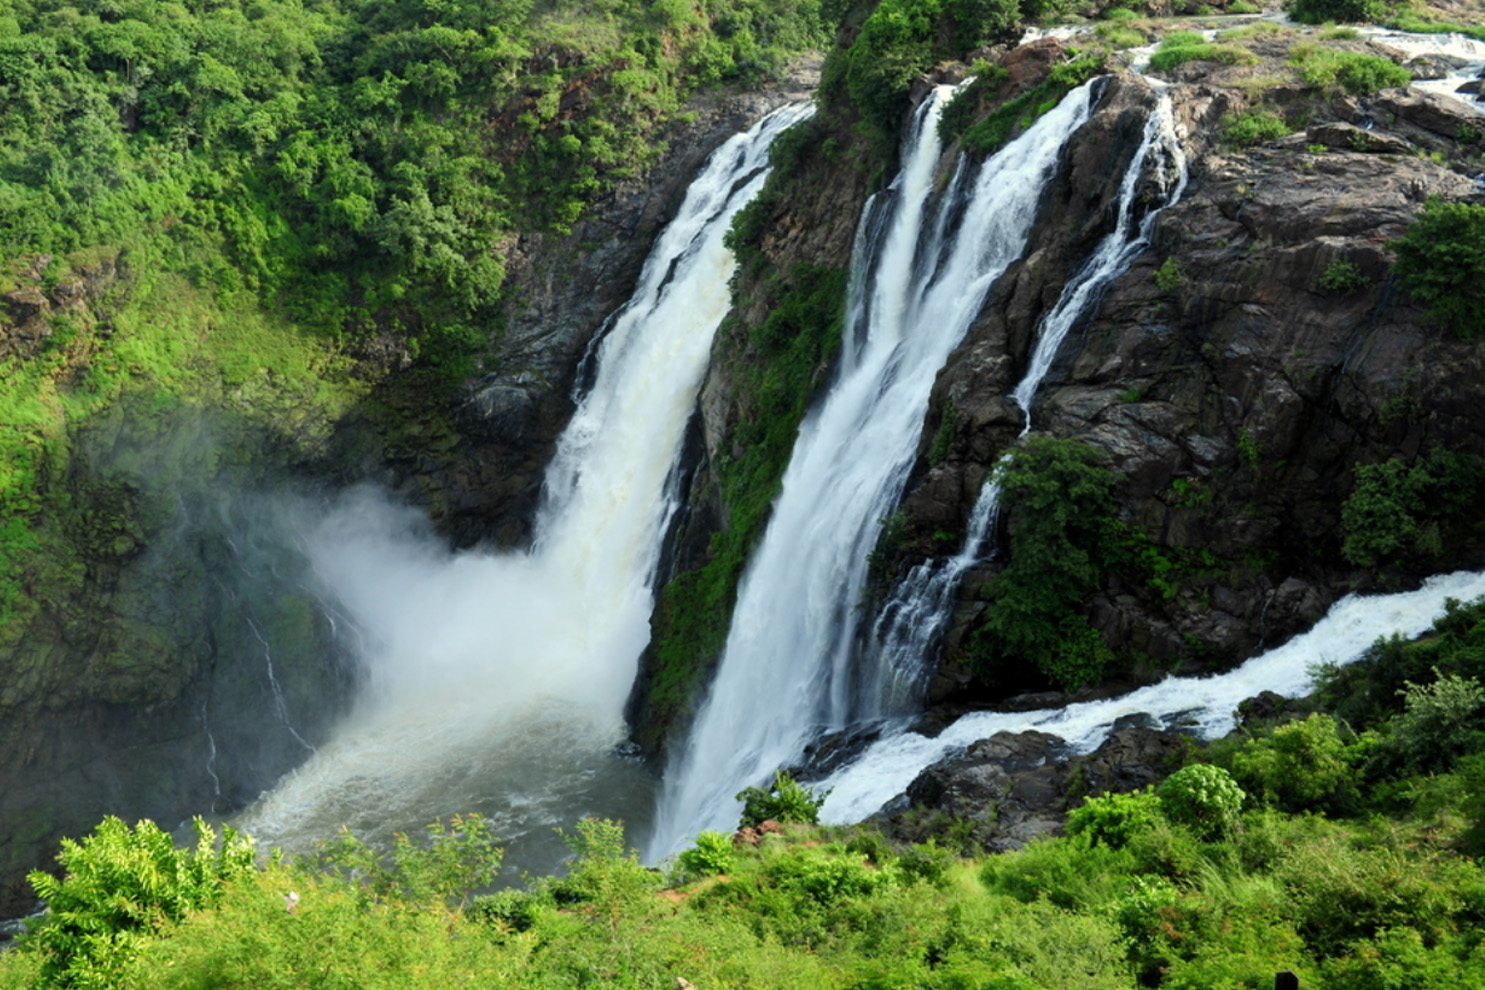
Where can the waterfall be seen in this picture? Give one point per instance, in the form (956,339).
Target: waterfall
(909,626)
(787,667)
(496,680)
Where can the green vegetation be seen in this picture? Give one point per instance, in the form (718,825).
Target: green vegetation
(1355,72)
(1202,797)
(120,889)
(1253,127)
(1062,542)
(1402,512)
(1423,21)
(899,40)
(1337,11)
(1370,883)
(785,801)
(1005,121)
(799,340)
(237,196)
(1441,259)
(1344,278)
(1189,46)
(1169,277)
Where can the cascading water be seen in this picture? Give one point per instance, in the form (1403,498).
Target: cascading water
(1201,704)
(496,681)
(910,624)
(787,668)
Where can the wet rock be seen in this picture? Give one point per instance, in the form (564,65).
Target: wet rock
(1429,112)
(1015,787)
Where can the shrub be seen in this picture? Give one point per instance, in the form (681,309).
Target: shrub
(1302,766)
(120,886)
(1202,797)
(1343,277)
(1398,510)
(1169,277)
(712,854)
(1440,722)
(1062,542)
(1355,72)
(1340,11)
(1441,259)
(1177,52)
(927,862)
(1114,819)
(1253,127)
(1243,7)
(458,859)
(785,801)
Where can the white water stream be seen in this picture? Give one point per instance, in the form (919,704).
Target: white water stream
(497,681)
(1205,705)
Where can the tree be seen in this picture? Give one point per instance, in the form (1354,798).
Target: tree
(1441,259)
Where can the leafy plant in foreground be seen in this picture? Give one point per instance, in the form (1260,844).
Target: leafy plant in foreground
(120,887)
(786,801)
(1203,797)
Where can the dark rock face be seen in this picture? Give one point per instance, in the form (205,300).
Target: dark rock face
(1018,786)
(1236,404)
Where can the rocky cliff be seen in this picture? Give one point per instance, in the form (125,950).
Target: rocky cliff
(1231,377)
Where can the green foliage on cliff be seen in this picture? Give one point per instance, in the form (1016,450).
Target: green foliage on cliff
(988,134)
(1063,539)
(1441,259)
(1189,46)
(1356,73)
(1402,512)
(276,182)
(902,38)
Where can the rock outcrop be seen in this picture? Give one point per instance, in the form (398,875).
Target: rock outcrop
(1015,787)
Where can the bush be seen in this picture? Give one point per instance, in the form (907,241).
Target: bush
(1355,72)
(786,801)
(1302,766)
(1169,277)
(1115,819)
(1440,722)
(1175,52)
(1340,11)
(712,854)
(1399,510)
(1253,127)
(119,888)
(1343,278)
(1441,259)
(1062,542)
(1202,797)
